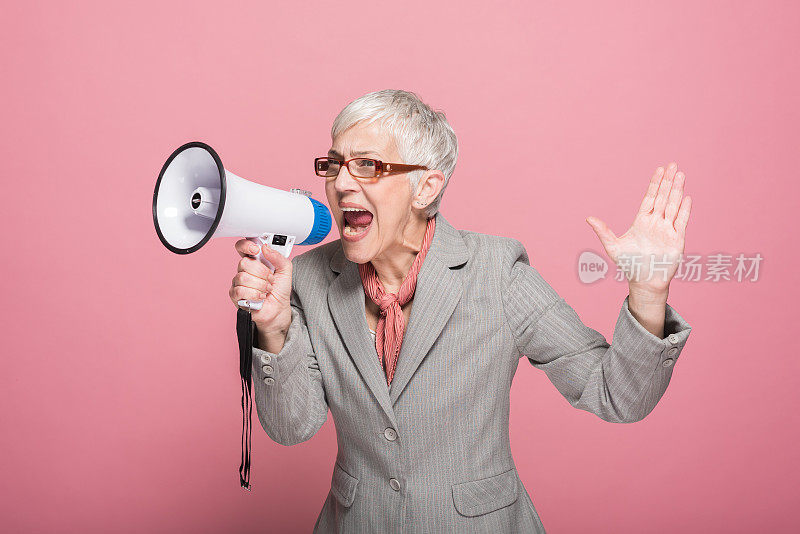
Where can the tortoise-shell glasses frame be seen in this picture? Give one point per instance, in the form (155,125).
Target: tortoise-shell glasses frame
(365,169)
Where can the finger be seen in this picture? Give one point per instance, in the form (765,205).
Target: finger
(675,195)
(254,267)
(282,264)
(246,293)
(245,247)
(652,189)
(663,190)
(683,215)
(246,279)
(602,230)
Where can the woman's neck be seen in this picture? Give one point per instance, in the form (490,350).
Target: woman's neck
(393,265)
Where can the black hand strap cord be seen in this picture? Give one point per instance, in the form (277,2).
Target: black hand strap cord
(245,332)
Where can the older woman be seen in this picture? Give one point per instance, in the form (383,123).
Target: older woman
(421,400)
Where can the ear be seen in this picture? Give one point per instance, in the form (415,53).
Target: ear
(428,188)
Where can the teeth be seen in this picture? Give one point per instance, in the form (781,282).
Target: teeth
(349,230)
(353,209)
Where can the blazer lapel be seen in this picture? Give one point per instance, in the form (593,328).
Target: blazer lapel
(435,297)
(346,303)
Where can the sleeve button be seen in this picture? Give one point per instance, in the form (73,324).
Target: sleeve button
(673,338)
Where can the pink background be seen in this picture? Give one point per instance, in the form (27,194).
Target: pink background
(120,385)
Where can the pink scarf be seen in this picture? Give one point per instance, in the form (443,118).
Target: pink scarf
(391,323)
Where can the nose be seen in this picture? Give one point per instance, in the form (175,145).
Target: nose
(345,182)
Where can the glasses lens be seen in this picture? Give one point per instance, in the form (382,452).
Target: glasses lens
(363,167)
(327,167)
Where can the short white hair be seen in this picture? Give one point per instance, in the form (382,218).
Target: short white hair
(423,136)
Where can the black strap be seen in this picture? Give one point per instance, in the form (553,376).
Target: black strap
(245,331)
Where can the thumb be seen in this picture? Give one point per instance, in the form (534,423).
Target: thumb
(282,265)
(602,230)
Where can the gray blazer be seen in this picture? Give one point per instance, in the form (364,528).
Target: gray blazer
(431,454)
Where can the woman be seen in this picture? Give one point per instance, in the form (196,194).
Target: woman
(421,401)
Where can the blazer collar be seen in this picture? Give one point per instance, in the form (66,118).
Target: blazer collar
(436,295)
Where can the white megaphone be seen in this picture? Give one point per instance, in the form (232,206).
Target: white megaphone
(196,199)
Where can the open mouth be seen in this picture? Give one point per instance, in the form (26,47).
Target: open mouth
(356,222)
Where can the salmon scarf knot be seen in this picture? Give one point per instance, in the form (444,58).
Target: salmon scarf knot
(391,323)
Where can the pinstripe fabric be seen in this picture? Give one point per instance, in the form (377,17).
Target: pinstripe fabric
(444,464)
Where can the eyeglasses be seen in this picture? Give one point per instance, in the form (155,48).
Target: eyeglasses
(366,169)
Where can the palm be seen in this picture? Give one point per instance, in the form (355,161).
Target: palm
(650,251)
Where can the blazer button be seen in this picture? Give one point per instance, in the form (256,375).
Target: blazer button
(673,351)
(668,362)
(393,482)
(266,358)
(390,434)
(269,380)
(673,338)
(267,369)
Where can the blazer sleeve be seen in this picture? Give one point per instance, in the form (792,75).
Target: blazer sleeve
(288,388)
(621,382)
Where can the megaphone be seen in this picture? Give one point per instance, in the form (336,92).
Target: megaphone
(196,199)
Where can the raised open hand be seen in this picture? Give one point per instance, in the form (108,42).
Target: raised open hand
(650,251)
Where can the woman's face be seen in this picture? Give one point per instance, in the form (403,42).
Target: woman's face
(387,201)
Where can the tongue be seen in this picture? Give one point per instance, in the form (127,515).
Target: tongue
(358,218)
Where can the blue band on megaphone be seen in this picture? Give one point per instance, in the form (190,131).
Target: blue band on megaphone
(322,223)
